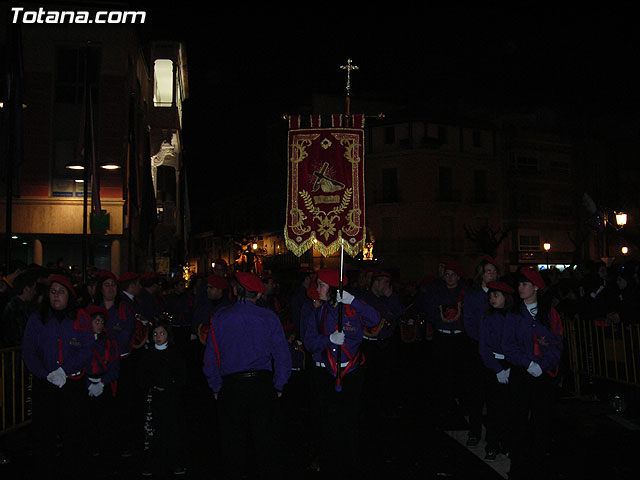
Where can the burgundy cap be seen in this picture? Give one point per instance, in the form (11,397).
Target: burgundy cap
(97,309)
(217,282)
(64,281)
(492,261)
(250,282)
(106,274)
(125,277)
(454,267)
(151,276)
(332,277)
(501,286)
(381,273)
(534,277)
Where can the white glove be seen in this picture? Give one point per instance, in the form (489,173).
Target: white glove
(337,337)
(96,389)
(345,298)
(534,369)
(193,336)
(58,377)
(503,376)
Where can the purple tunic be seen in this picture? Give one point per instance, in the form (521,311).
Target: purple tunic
(247,337)
(491,332)
(120,324)
(475,305)
(324,322)
(389,308)
(525,340)
(48,346)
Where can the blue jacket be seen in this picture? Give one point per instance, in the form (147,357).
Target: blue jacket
(490,342)
(390,310)
(475,306)
(525,340)
(322,322)
(52,344)
(246,337)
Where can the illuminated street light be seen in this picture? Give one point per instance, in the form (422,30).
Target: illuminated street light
(621,219)
(547,247)
(624,250)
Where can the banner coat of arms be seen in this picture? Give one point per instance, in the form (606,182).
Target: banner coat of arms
(325,185)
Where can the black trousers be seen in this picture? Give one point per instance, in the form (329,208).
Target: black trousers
(249,418)
(498,404)
(339,415)
(59,414)
(128,405)
(476,380)
(450,361)
(532,400)
(378,391)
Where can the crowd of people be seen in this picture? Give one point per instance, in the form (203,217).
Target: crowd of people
(111,357)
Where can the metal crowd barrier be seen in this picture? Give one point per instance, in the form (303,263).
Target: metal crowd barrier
(15,391)
(599,349)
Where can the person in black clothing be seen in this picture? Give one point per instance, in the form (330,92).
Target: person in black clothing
(162,372)
(17,311)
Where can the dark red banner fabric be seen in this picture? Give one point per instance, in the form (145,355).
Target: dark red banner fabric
(325,187)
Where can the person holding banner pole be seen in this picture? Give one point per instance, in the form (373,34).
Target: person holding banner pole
(339,408)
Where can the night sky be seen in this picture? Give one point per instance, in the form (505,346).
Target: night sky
(245,72)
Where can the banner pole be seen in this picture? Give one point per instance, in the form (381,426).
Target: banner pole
(340,307)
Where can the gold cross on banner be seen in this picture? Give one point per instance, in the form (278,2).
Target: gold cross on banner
(348,67)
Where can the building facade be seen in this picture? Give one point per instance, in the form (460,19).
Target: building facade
(130,122)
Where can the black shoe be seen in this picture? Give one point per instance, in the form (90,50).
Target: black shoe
(490,456)
(473,441)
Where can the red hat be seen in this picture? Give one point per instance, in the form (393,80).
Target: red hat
(64,281)
(312,289)
(534,277)
(250,282)
(454,267)
(106,274)
(217,282)
(492,261)
(501,286)
(332,277)
(125,277)
(150,276)
(381,274)
(97,309)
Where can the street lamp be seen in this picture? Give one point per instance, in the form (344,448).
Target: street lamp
(547,247)
(621,219)
(624,250)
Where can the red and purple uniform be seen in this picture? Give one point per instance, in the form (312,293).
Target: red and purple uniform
(526,340)
(48,345)
(324,322)
(245,337)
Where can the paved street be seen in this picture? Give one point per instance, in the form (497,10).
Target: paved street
(590,441)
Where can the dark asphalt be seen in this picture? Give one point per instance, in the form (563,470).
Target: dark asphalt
(590,441)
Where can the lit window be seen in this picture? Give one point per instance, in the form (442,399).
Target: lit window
(163,83)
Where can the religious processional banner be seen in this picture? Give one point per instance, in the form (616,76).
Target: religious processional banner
(325,184)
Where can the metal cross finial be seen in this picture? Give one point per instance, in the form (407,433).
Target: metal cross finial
(348,67)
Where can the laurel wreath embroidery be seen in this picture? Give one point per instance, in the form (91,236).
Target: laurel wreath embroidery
(326,220)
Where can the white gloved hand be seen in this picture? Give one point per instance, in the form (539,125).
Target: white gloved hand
(58,377)
(503,376)
(345,298)
(96,389)
(534,369)
(337,337)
